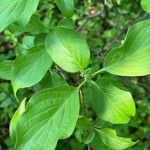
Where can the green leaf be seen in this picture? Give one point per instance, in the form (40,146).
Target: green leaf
(133,57)
(16,116)
(51,114)
(110,138)
(68,49)
(29,68)
(54,80)
(66,7)
(111,101)
(5,69)
(67,22)
(17,10)
(146,5)
(97,143)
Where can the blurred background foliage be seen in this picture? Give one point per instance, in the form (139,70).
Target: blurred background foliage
(104,24)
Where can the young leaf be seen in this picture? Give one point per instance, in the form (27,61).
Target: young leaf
(111,101)
(17,10)
(29,68)
(133,57)
(146,5)
(51,114)
(66,7)
(21,109)
(110,138)
(6,69)
(68,49)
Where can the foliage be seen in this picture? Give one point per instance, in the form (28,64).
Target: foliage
(66,93)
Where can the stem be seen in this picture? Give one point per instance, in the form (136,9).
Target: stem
(97,72)
(82,83)
(89,147)
(82,103)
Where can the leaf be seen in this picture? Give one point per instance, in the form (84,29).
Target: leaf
(66,7)
(97,143)
(54,80)
(68,49)
(5,69)
(51,114)
(110,138)
(111,101)
(67,22)
(29,68)
(16,116)
(17,10)
(132,58)
(146,5)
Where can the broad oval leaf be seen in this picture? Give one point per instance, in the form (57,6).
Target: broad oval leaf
(112,141)
(6,69)
(29,68)
(16,10)
(68,49)
(50,115)
(66,7)
(111,101)
(146,5)
(133,57)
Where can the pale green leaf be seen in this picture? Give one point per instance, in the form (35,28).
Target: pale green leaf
(29,68)
(16,10)
(6,69)
(146,5)
(68,49)
(133,57)
(111,101)
(66,7)
(110,138)
(16,116)
(50,115)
